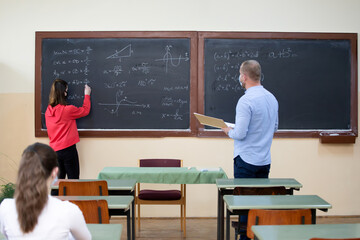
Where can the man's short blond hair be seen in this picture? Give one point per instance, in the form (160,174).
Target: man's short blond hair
(252,69)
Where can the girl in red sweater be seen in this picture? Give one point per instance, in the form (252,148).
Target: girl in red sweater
(61,127)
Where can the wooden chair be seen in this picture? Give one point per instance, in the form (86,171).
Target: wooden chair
(241,227)
(94,211)
(277,217)
(83,188)
(163,197)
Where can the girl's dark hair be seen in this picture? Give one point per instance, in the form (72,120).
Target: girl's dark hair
(31,194)
(57,93)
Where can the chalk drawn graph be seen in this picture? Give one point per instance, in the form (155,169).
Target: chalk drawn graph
(168,58)
(120,101)
(123,53)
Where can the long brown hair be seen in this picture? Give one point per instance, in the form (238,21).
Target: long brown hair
(31,194)
(57,93)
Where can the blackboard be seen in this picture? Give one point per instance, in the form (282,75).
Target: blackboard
(148,84)
(141,82)
(313,76)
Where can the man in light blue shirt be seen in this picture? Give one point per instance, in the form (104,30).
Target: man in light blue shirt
(255,123)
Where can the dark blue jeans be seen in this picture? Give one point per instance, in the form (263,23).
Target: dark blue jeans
(245,170)
(68,160)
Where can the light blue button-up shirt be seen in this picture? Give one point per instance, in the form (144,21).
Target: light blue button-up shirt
(255,123)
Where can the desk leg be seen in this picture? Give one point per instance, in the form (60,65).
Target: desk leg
(313,216)
(128,225)
(220,216)
(227,224)
(133,217)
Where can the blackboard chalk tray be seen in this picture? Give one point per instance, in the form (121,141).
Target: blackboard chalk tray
(337,137)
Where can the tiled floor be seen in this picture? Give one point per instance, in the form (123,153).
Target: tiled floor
(196,228)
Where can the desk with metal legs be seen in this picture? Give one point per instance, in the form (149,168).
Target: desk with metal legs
(240,205)
(116,187)
(226,187)
(118,205)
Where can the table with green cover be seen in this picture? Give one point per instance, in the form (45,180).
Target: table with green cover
(118,205)
(241,204)
(305,232)
(226,187)
(99,231)
(168,175)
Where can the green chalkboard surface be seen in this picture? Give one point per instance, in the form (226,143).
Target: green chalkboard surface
(149,84)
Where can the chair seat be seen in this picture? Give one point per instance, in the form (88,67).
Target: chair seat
(159,195)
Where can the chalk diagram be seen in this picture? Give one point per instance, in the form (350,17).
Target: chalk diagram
(168,59)
(123,53)
(113,108)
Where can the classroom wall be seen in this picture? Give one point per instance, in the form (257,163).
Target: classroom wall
(329,170)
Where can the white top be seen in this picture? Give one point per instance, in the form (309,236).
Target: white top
(58,220)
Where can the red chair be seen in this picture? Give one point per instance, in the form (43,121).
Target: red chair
(94,211)
(83,188)
(276,217)
(239,227)
(162,197)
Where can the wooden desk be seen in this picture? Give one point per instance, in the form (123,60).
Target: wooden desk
(305,232)
(99,231)
(226,187)
(118,205)
(240,205)
(105,231)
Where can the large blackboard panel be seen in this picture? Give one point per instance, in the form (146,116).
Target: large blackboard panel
(313,76)
(142,83)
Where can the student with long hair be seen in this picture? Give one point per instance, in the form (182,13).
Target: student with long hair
(61,126)
(33,213)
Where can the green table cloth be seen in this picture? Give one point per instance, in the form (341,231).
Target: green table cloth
(168,175)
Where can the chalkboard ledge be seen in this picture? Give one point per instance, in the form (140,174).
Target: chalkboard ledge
(337,137)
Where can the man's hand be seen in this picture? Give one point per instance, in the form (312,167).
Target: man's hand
(226,130)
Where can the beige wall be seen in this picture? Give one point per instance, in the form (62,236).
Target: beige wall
(331,171)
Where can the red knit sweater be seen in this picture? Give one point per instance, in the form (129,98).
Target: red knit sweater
(61,124)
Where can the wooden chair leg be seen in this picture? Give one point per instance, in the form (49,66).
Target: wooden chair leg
(181,217)
(138,213)
(184,219)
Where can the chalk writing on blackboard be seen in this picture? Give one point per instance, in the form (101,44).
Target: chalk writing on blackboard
(113,108)
(169,59)
(123,53)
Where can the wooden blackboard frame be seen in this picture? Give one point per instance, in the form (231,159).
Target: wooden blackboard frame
(326,136)
(192,36)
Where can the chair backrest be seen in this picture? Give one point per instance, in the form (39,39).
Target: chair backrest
(156,162)
(259,191)
(277,217)
(83,188)
(94,211)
